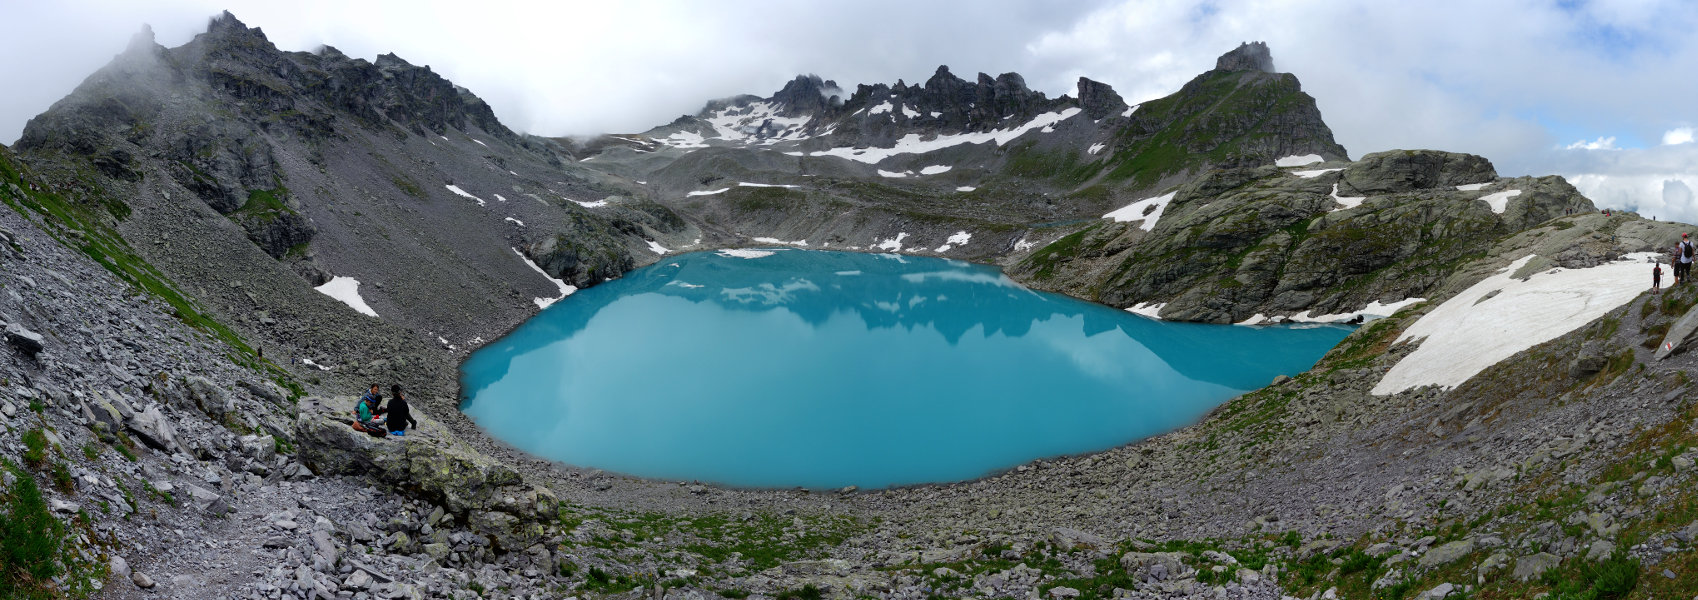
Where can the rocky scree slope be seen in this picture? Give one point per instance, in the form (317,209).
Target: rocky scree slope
(248,176)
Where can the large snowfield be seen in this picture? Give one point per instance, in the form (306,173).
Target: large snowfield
(1472,331)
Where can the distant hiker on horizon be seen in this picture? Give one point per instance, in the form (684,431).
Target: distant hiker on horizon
(368,413)
(400,417)
(1683,258)
(1657,277)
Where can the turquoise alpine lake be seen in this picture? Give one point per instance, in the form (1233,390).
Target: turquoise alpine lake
(789,367)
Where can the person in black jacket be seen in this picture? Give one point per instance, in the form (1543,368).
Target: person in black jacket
(400,417)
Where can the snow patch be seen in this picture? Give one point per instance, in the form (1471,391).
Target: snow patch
(892,174)
(745,253)
(776,185)
(1374,310)
(456,189)
(1346,203)
(310,363)
(759,123)
(709,192)
(1472,187)
(1136,211)
(935,169)
(909,112)
(1148,309)
(881,109)
(959,238)
(1023,245)
(1257,319)
(480,142)
(1471,332)
(346,290)
(682,139)
(657,248)
(596,204)
(566,289)
(1314,173)
(516,221)
(1095,148)
(499,198)
(767,240)
(914,144)
(893,244)
(965,188)
(1130,110)
(1298,161)
(1500,200)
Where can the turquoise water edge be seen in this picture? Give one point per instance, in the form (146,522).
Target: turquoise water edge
(788,367)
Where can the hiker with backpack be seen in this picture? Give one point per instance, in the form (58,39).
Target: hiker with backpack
(400,417)
(368,413)
(1683,257)
(1657,277)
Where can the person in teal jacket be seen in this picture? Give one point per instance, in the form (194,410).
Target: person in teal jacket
(369,412)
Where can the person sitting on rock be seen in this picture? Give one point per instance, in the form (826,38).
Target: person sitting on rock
(369,413)
(400,417)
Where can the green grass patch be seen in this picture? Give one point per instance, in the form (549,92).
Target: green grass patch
(35,448)
(763,540)
(30,543)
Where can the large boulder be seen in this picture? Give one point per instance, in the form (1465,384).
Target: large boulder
(429,462)
(26,341)
(1679,335)
(199,393)
(155,429)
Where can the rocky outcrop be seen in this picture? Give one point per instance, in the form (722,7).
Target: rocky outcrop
(1099,100)
(581,255)
(1399,171)
(430,461)
(1249,56)
(1240,242)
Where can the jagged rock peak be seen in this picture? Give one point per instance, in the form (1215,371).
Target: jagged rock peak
(1099,100)
(808,93)
(1249,56)
(227,24)
(143,40)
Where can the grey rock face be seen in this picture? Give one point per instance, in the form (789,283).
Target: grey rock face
(1099,100)
(1249,56)
(1398,171)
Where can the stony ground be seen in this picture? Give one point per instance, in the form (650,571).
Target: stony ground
(1570,465)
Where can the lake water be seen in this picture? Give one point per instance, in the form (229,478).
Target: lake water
(827,369)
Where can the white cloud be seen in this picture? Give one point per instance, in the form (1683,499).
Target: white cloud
(1602,143)
(1682,135)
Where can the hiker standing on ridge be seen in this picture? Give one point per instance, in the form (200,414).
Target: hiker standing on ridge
(1683,256)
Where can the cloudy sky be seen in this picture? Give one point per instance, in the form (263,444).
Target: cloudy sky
(1604,93)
